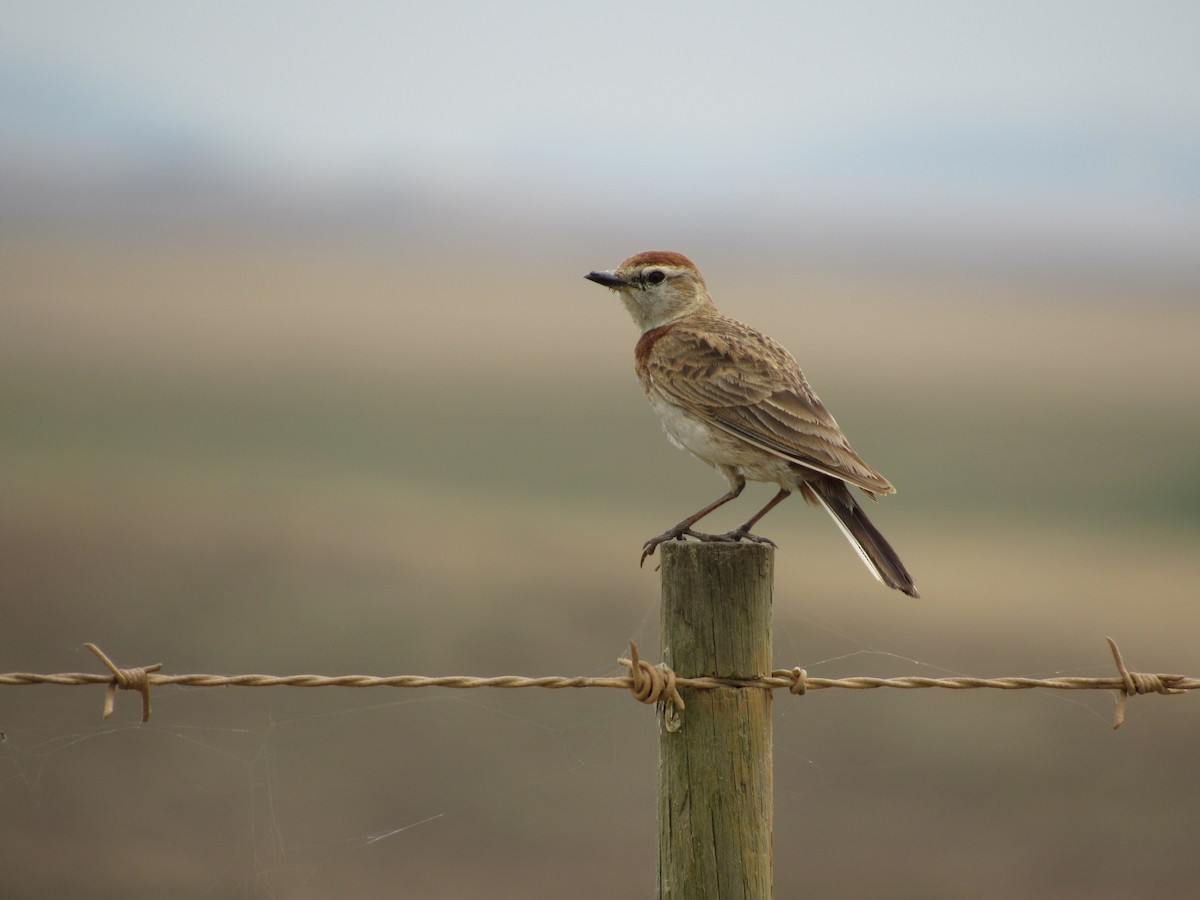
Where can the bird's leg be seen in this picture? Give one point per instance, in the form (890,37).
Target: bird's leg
(684,528)
(742,532)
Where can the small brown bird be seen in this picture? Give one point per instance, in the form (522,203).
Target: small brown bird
(737,400)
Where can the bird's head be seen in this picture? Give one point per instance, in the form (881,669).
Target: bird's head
(656,286)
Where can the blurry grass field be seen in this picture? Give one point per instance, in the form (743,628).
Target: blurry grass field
(258,459)
(1095,464)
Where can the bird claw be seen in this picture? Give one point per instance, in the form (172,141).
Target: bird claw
(679,532)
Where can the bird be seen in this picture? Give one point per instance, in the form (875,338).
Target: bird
(737,400)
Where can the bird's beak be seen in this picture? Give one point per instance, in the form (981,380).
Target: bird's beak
(607,278)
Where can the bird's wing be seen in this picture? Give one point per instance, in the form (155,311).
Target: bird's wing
(747,385)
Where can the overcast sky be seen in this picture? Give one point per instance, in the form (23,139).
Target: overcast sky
(658,103)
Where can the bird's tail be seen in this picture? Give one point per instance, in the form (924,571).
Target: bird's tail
(871,546)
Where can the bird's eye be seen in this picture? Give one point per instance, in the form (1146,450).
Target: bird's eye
(656,276)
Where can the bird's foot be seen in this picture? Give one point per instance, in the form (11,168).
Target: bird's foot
(738,534)
(681,531)
(677,533)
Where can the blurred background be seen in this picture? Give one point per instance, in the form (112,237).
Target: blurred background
(299,373)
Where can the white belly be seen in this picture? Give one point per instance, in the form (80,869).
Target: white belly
(719,448)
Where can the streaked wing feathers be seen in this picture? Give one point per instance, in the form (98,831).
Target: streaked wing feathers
(746,384)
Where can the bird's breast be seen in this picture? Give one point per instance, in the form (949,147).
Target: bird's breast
(717,447)
(686,430)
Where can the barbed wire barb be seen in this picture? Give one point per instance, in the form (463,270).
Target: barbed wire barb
(651,684)
(135,679)
(1138,683)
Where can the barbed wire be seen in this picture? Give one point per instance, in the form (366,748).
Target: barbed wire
(648,683)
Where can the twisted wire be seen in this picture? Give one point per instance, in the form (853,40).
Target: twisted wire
(647,683)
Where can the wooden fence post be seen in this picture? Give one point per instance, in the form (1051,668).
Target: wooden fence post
(715,806)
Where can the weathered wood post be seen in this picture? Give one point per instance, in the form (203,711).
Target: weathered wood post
(715,806)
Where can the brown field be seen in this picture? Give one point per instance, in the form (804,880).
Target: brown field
(237,456)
